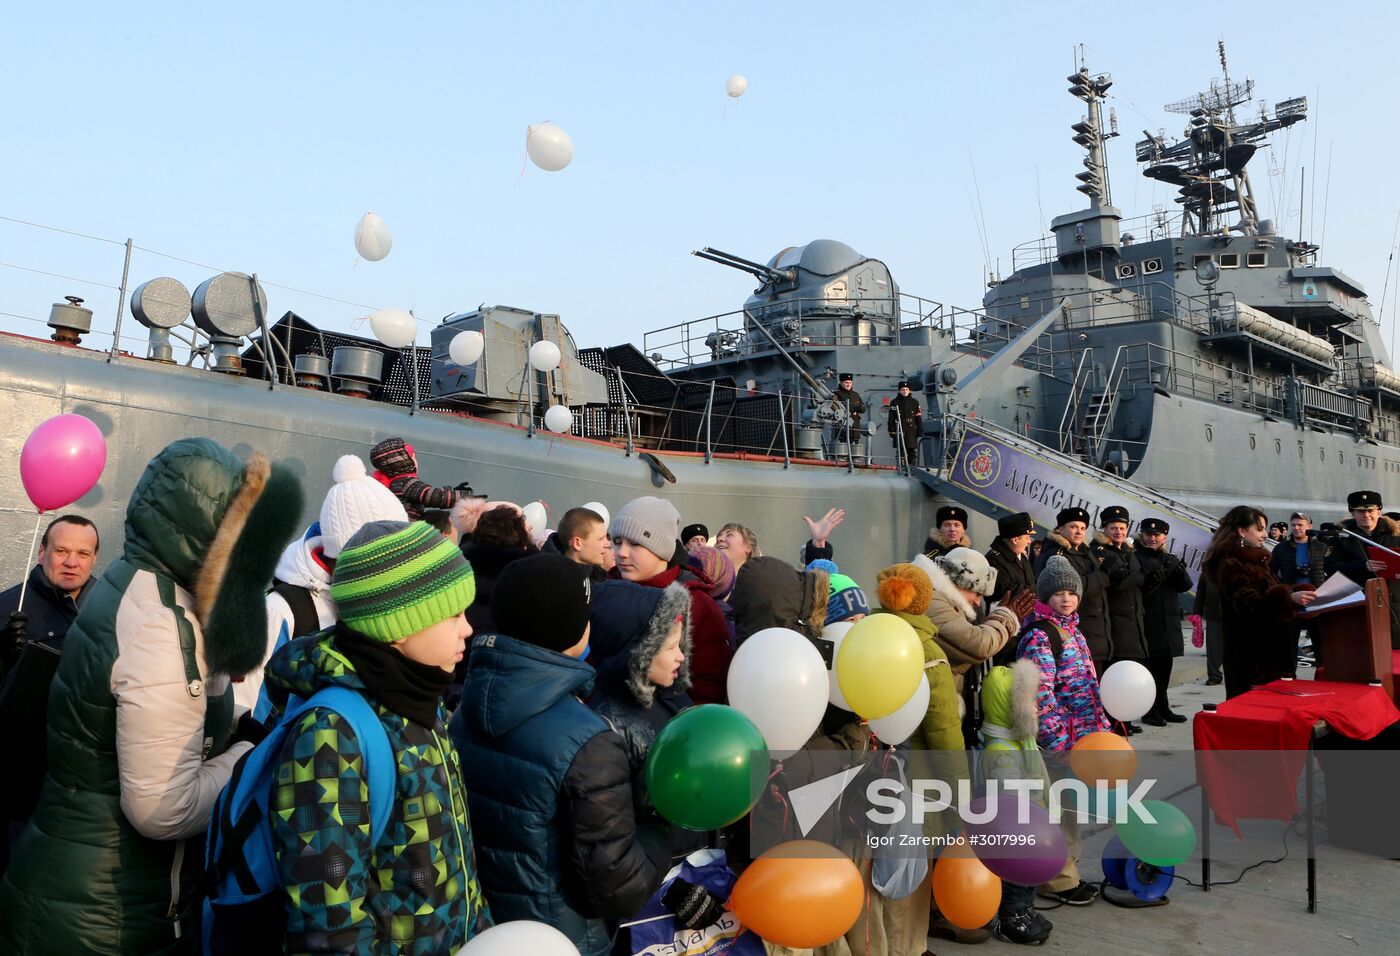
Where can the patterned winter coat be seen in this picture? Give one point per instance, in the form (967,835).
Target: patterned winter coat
(1093,606)
(416,891)
(1067,702)
(141,712)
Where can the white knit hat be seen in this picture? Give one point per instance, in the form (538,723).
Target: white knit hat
(353,502)
(653,523)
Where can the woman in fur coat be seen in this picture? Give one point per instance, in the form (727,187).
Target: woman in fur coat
(1255,608)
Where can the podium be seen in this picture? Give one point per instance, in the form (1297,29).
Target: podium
(1356,639)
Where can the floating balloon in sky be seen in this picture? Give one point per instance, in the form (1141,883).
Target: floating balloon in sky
(559,419)
(549,147)
(394,327)
(373,240)
(466,347)
(736,86)
(544,356)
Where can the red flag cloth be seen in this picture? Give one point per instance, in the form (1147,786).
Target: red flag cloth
(1276,721)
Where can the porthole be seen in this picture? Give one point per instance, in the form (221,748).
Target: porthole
(1210,434)
(1322,454)
(1300,449)
(1278,447)
(1341,458)
(1252,444)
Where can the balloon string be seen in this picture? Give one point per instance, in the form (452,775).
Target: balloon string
(38,520)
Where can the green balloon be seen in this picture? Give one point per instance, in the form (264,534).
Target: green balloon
(701,771)
(1168,842)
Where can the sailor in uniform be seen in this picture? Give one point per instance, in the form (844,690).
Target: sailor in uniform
(906,424)
(852,407)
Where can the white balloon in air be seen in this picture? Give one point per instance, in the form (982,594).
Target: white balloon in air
(559,419)
(394,327)
(535,515)
(597,508)
(466,347)
(544,356)
(373,240)
(1127,690)
(549,147)
(736,86)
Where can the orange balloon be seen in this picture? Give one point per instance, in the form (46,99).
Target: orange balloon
(966,892)
(802,894)
(1103,756)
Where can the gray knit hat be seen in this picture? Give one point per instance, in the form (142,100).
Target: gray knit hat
(652,523)
(1058,575)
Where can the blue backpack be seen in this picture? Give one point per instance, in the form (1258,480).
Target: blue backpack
(245,908)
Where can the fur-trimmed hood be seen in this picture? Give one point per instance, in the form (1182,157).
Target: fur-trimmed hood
(946,543)
(216,527)
(1102,540)
(1009,699)
(630,626)
(1063,542)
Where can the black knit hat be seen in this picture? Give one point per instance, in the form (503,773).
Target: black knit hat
(1363,499)
(1072,514)
(950,513)
(1015,525)
(1112,514)
(543,600)
(1154,526)
(694,531)
(392,456)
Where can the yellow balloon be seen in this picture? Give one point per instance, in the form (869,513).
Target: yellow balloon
(879,664)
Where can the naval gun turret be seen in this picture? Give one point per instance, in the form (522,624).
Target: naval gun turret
(821,294)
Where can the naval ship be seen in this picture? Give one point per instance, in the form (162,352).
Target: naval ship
(1177,364)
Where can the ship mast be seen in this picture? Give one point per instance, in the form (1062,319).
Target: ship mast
(1090,134)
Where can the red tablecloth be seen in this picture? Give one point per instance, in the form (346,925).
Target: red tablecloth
(1275,723)
(1394,671)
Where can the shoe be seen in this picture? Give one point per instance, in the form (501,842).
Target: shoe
(1132,728)
(1172,717)
(1120,729)
(1081,895)
(939,926)
(1152,720)
(1027,928)
(1213,681)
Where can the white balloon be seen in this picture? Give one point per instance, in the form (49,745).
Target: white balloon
(778,680)
(549,147)
(559,419)
(1127,690)
(597,508)
(394,327)
(520,938)
(373,240)
(535,515)
(736,86)
(836,633)
(544,356)
(900,725)
(466,346)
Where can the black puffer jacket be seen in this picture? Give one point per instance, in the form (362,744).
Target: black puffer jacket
(1161,602)
(1349,557)
(1283,561)
(769,592)
(1014,572)
(1125,584)
(1093,605)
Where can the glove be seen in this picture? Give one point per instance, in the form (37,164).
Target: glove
(248,729)
(1021,604)
(12,640)
(694,906)
(464,488)
(1198,631)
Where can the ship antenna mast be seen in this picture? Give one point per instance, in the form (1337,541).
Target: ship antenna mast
(1091,134)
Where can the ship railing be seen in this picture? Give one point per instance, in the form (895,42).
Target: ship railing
(1151,364)
(1148,227)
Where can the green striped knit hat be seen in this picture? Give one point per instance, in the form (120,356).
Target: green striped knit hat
(394,579)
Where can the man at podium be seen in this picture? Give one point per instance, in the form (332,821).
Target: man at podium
(1359,560)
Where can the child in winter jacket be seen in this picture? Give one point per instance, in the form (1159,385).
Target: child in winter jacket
(1010,752)
(400,590)
(396,468)
(1067,700)
(551,789)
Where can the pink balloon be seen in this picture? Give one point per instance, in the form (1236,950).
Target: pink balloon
(61,461)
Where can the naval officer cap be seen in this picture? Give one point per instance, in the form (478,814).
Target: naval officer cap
(1363,499)
(1154,526)
(1013,526)
(846,377)
(1112,514)
(1072,514)
(951,513)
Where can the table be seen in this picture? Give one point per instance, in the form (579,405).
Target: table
(1250,750)
(1394,672)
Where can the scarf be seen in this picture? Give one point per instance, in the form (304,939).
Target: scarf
(404,686)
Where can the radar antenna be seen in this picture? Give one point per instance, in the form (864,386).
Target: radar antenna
(1090,134)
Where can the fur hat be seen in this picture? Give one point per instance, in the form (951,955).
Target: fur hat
(354,501)
(904,587)
(1058,575)
(1013,526)
(695,531)
(1158,526)
(1112,514)
(969,570)
(651,523)
(950,513)
(1072,514)
(392,457)
(1364,499)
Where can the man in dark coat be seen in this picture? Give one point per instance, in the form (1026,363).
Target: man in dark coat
(1010,557)
(1350,557)
(906,424)
(1165,579)
(847,396)
(57,585)
(949,532)
(1072,524)
(1125,580)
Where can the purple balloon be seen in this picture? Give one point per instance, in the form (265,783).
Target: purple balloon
(61,461)
(1028,852)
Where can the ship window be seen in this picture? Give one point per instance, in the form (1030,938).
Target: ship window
(1252,444)
(1210,434)
(1256,260)
(1229,260)
(1201,258)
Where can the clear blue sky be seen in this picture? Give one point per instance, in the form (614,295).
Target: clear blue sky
(251,137)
